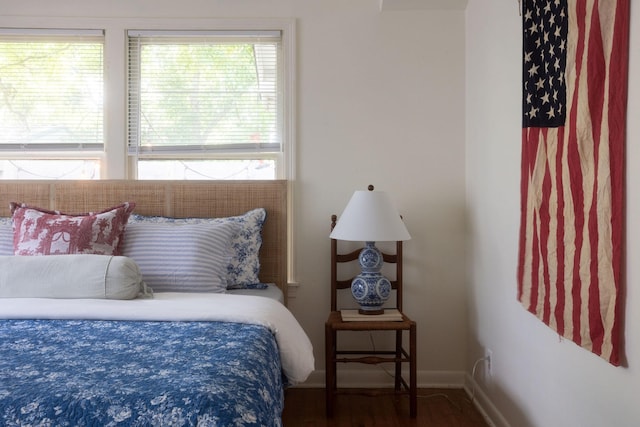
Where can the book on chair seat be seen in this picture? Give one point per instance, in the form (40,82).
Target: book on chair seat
(389,315)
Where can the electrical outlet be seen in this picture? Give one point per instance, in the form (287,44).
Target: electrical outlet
(488,354)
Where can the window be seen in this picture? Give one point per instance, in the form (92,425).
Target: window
(205,104)
(117,103)
(51,103)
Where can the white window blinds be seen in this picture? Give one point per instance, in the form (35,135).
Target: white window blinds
(204,91)
(51,90)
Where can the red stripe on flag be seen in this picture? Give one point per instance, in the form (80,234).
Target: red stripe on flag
(575,177)
(560,257)
(531,163)
(535,266)
(595,71)
(545,219)
(618,70)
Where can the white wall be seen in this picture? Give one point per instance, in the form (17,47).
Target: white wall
(380,101)
(538,380)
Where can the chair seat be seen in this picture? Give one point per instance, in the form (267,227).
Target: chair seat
(335,322)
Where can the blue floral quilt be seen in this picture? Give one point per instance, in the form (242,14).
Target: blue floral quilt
(138,373)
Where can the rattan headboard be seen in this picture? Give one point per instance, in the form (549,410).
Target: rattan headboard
(178,199)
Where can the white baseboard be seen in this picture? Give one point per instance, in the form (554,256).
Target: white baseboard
(379,378)
(484,405)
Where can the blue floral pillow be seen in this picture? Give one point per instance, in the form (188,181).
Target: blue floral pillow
(244,266)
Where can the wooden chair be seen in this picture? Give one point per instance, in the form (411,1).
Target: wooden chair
(335,324)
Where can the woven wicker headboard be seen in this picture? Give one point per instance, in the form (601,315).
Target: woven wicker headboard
(178,199)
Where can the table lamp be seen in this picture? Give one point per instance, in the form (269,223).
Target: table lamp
(370,217)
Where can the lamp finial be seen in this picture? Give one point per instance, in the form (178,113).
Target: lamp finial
(370,187)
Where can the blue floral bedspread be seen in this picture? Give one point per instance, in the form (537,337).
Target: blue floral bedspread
(133,373)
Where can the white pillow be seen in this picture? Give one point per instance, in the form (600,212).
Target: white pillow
(181,258)
(69,276)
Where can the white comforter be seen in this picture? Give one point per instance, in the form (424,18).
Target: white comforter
(296,351)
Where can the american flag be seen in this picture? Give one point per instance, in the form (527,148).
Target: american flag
(575,55)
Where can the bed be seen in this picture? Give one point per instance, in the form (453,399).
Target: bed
(143,346)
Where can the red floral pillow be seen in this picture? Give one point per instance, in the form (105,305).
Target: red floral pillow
(39,231)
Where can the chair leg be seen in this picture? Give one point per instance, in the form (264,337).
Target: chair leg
(330,369)
(398,364)
(413,371)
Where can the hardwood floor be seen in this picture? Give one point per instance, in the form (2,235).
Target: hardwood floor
(305,407)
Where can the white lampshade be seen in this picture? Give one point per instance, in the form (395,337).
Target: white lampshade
(370,216)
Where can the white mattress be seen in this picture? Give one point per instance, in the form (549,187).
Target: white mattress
(273,292)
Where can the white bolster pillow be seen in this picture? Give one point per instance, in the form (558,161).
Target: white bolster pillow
(69,276)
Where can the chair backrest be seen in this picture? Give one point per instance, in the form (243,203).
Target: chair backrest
(338,281)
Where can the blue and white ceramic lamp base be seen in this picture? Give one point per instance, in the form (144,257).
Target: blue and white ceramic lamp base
(370,288)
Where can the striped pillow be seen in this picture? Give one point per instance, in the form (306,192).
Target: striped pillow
(181,258)
(6,238)
(244,265)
